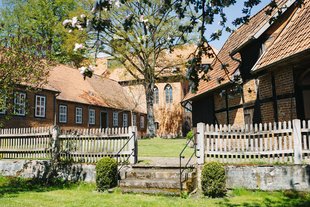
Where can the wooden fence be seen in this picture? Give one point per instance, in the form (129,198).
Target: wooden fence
(86,145)
(25,143)
(283,142)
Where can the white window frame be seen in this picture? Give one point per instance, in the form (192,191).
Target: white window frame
(134,120)
(63,114)
(20,104)
(78,115)
(125,120)
(115,119)
(92,116)
(142,120)
(40,106)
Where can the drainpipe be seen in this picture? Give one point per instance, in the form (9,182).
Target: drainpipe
(55,103)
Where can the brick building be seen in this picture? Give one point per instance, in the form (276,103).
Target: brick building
(268,74)
(170,89)
(72,102)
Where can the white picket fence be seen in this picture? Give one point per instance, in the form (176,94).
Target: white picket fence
(81,145)
(283,142)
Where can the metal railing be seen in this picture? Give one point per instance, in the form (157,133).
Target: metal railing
(181,156)
(133,153)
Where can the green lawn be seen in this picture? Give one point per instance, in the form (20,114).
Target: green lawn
(158,147)
(14,192)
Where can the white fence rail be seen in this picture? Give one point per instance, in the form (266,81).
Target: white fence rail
(87,145)
(283,142)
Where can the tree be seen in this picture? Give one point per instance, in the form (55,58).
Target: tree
(40,22)
(137,34)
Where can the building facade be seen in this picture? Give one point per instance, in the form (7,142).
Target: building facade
(267,79)
(71,102)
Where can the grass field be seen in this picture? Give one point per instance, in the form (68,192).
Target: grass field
(158,147)
(21,193)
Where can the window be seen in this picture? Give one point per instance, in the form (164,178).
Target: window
(63,114)
(40,105)
(156,97)
(115,118)
(188,107)
(92,116)
(125,120)
(20,104)
(78,115)
(142,122)
(168,92)
(134,120)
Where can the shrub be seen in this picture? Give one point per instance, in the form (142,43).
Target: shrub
(213,180)
(106,172)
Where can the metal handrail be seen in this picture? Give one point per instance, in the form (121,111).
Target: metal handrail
(118,155)
(181,156)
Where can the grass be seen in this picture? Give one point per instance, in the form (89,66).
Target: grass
(158,147)
(78,195)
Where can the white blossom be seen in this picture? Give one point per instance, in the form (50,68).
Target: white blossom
(78,46)
(117,3)
(70,30)
(74,21)
(83,16)
(79,27)
(67,21)
(142,19)
(82,69)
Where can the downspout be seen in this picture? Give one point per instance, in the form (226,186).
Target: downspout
(54,112)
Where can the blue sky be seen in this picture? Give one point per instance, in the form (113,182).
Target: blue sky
(232,13)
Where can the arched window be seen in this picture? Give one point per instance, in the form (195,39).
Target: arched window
(156,96)
(168,92)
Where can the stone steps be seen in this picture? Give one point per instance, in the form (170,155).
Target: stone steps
(157,180)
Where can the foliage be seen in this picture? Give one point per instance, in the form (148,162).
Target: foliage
(106,173)
(39,23)
(213,180)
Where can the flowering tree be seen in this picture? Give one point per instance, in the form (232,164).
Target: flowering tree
(39,23)
(137,34)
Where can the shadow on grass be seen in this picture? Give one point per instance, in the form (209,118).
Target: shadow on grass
(289,199)
(14,185)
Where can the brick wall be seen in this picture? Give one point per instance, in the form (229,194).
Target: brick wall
(30,120)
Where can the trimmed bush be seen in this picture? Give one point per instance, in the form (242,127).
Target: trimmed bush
(106,170)
(213,180)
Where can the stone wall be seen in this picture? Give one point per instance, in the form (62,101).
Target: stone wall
(40,168)
(267,178)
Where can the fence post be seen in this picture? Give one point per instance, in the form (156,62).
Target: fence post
(200,143)
(55,144)
(132,145)
(297,141)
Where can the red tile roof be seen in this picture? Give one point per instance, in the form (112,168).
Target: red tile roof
(295,38)
(96,91)
(238,38)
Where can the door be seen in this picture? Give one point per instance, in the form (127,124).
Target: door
(103,119)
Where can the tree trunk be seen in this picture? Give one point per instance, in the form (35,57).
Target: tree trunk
(149,92)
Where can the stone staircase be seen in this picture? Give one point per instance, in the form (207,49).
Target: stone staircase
(155,179)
